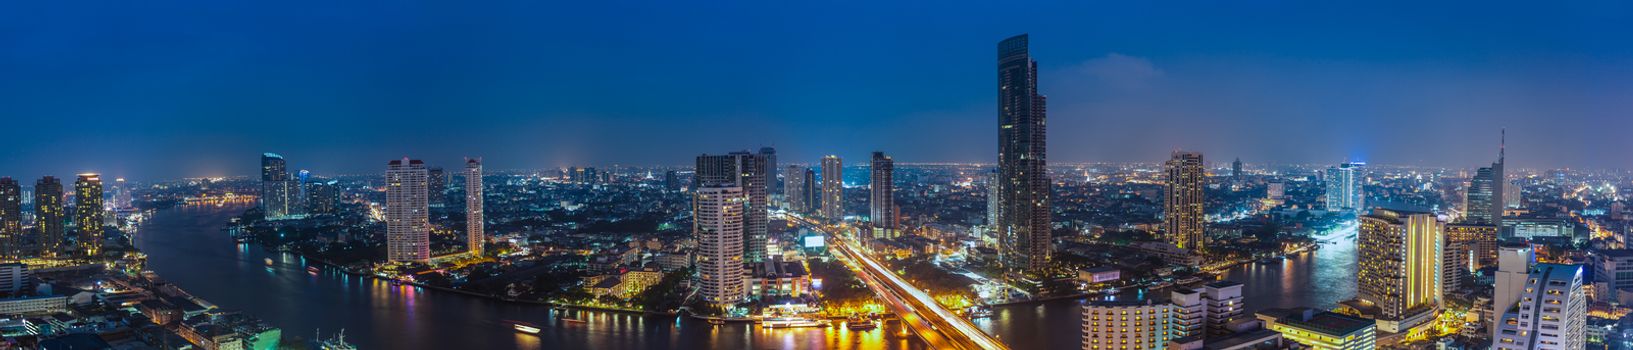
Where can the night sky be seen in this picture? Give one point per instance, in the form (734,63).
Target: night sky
(163,89)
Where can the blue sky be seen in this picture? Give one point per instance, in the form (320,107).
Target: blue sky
(152,90)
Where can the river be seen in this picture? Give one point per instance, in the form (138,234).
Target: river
(186,246)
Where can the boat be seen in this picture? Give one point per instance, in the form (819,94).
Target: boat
(977,312)
(860,324)
(312,269)
(572,320)
(524,327)
(791,322)
(336,343)
(717,322)
(269,261)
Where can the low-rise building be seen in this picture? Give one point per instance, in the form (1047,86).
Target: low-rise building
(1321,330)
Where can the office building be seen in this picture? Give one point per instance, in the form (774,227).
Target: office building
(1485,193)
(1121,325)
(1345,189)
(1205,312)
(436,187)
(772,181)
(671,180)
(88,215)
(1514,262)
(795,192)
(1534,226)
(1479,240)
(277,188)
(15,280)
(717,226)
(1550,314)
(408,226)
(1183,214)
(1321,330)
(1399,254)
(1023,225)
(833,189)
(881,201)
(746,171)
(1236,171)
(474,236)
(49,215)
(11,218)
(1613,275)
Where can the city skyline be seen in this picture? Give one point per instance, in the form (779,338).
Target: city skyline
(1110,69)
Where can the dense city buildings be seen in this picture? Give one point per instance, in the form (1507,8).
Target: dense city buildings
(88,214)
(49,216)
(746,171)
(474,236)
(1183,215)
(1399,253)
(11,218)
(1024,224)
(1551,313)
(833,189)
(881,201)
(408,226)
(717,226)
(1345,188)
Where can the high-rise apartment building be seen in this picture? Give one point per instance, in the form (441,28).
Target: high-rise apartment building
(746,171)
(812,191)
(1399,253)
(1236,171)
(1551,312)
(1514,262)
(408,225)
(88,213)
(773,183)
(717,226)
(1345,191)
(882,201)
(794,193)
(1183,214)
(1023,225)
(11,218)
(833,188)
(436,187)
(1479,240)
(49,215)
(322,197)
(277,188)
(474,237)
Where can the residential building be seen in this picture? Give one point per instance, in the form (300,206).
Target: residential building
(1399,253)
(717,226)
(1183,214)
(408,226)
(882,202)
(1551,313)
(1023,226)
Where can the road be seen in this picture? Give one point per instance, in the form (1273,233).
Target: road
(939,327)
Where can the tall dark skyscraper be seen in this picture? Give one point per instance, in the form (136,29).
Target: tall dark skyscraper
(49,215)
(794,190)
(812,191)
(746,171)
(1023,193)
(276,187)
(773,186)
(1182,201)
(1485,194)
(671,181)
(881,202)
(88,216)
(436,187)
(11,217)
(1236,171)
(833,188)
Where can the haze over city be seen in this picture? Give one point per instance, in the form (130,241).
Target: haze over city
(151,91)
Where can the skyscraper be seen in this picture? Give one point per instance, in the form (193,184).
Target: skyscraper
(746,171)
(11,218)
(1399,253)
(794,190)
(671,181)
(833,188)
(49,215)
(717,226)
(436,187)
(1344,188)
(88,216)
(474,237)
(1514,260)
(882,203)
(1236,171)
(1551,312)
(773,184)
(812,191)
(1182,201)
(276,187)
(1023,194)
(408,226)
(322,197)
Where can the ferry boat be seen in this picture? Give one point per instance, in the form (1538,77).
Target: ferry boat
(860,324)
(524,327)
(978,312)
(791,322)
(336,343)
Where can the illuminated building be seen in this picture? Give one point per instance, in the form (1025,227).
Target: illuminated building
(1399,253)
(408,226)
(1485,194)
(1514,262)
(1023,225)
(1321,330)
(88,215)
(1138,324)
(717,226)
(1528,227)
(882,203)
(745,171)
(49,215)
(833,188)
(1345,192)
(1551,312)
(1182,201)
(11,218)
(1480,240)
(671,181)
(436,187)
(1236,171)
(1205,312)
(1610,275)
(1224,304)
(276,187)
(322,197)
(797,190)
(474,236)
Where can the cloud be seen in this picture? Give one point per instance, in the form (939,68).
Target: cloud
(1120,71)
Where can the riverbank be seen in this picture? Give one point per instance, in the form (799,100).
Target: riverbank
(495,297)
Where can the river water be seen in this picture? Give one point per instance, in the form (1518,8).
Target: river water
(186,246)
